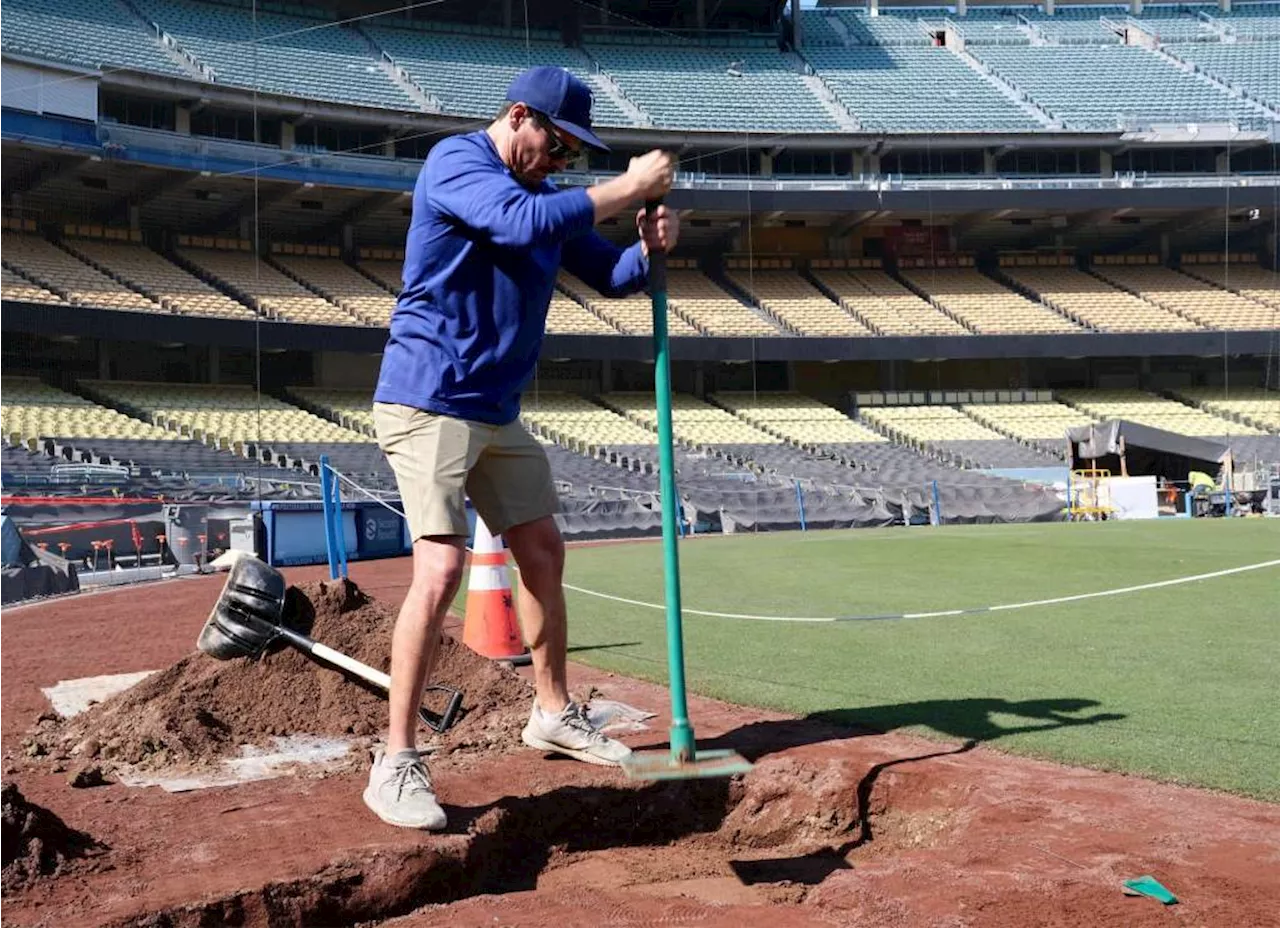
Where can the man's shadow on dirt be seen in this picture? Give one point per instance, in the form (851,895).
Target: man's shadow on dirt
(516,837)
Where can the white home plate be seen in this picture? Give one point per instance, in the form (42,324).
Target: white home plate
(71,697)
(254,763)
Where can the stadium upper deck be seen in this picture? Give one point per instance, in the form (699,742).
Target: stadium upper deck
(995,70)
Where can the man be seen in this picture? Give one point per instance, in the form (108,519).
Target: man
(488,235)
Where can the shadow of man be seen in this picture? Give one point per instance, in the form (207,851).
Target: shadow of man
(977,719)
(974,720)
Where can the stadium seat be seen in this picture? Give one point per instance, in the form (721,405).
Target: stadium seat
(1253,22)
(796,418)
(1095,302)
(1042,423)
(261,285)
(352,409)
(1248,280)
(886,306)
(694,422)
(469,74)
(163,281)
(566,316)
(387,273)
(576,423)
(90,33)
(916,88)
(1189,297)
(60,272)
(341,284)
(713,310)
(984,305)
(1253,406)
(1114,87)
(1156,411)
(797,304)
(631,315)
(225,416)
(731,88)
(14,287)
(279,54)
(33,410)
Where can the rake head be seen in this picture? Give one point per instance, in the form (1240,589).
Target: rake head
(665,765)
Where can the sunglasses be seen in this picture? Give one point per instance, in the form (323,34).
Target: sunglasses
(557,150)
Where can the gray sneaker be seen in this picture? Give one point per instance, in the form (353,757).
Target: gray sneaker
(399,792)
(572,733)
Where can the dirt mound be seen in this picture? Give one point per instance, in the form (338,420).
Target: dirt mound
(37,844)
(201,710)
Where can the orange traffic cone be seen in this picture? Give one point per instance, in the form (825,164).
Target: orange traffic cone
(490,627)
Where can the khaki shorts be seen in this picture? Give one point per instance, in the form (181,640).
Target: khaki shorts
(439,461)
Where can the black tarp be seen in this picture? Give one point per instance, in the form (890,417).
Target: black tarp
(29,572)
(1147,451)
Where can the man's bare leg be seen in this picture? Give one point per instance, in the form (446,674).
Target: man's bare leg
(437,573)
(538,550)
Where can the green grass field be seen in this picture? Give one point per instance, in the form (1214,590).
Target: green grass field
(1179,683)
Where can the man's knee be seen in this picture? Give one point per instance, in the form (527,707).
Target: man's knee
(539,551)
(437,568)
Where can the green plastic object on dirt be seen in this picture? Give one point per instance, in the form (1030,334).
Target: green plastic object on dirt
(1150,886)
(683,761)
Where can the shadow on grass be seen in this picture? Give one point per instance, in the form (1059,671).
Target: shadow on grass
(967,720)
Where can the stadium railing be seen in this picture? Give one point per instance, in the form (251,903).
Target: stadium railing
(403,173)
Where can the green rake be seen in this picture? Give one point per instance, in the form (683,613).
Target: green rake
(683,761)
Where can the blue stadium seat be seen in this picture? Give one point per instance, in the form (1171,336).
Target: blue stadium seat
(1107,87)
(916,88)
(469,73)
(279,54)
(734,88)
(92,33)
(1255,67)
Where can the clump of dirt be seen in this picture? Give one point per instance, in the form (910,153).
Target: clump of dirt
(201,710)
(786,801)
(37,844)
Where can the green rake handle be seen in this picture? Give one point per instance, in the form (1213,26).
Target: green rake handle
(682,740)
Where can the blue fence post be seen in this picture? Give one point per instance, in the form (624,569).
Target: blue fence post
(937,505)
(339,531)
(327,502)
(679,513)
(1226,496)
(800,507)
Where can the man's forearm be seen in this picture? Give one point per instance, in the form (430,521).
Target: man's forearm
(612,197)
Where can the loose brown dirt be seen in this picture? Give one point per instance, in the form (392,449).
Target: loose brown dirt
(199,711)
(37,844)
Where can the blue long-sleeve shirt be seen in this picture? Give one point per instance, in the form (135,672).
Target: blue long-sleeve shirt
(479,270)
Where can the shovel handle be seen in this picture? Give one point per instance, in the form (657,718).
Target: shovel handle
(327,655)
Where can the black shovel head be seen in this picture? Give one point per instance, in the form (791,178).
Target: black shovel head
(246,618)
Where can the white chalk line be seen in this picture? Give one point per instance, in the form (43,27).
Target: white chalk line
(1158,584)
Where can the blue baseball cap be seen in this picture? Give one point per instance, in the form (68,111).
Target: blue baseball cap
(561,97)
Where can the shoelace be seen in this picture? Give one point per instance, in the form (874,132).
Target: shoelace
(411,777)
(577,719)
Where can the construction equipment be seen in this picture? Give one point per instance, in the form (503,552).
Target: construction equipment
(249,618)
(683,761)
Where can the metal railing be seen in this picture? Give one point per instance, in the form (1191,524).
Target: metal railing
(405,171)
